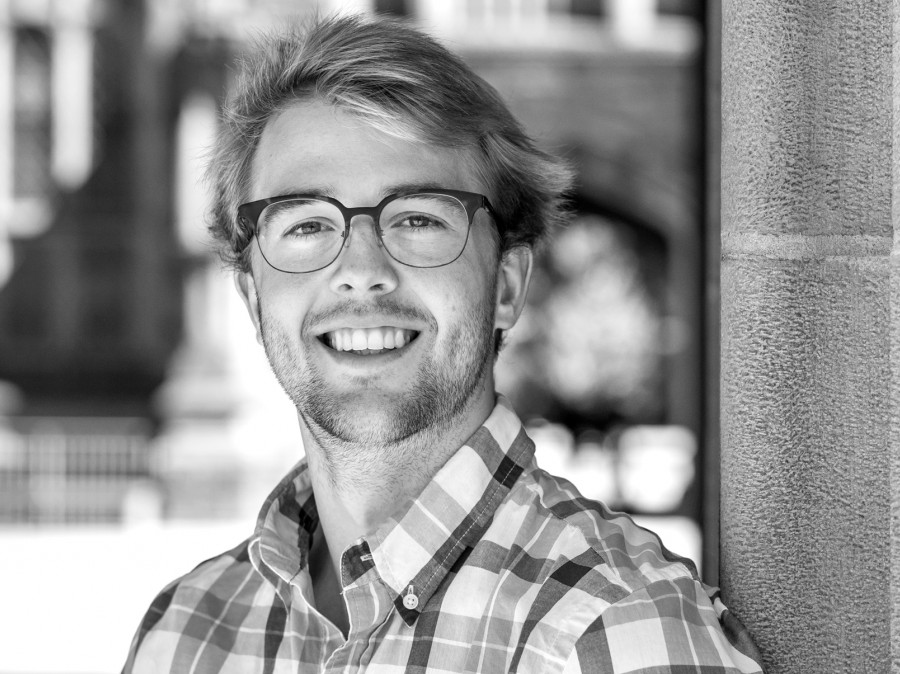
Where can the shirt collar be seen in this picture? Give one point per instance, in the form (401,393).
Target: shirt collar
(413,551)
(279,549)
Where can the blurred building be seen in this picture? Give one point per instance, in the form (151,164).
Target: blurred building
(114,315)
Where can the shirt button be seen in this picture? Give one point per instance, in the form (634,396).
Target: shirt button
(410,600)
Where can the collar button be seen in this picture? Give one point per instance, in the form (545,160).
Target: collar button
(410,600)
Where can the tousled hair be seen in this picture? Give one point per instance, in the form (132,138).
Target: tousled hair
(400,81)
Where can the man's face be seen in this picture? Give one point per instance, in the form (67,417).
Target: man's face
(441,320)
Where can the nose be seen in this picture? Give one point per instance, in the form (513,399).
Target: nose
(363,266)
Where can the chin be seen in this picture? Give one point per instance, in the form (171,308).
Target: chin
(376,418)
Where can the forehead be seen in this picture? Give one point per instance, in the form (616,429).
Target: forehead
(311,146)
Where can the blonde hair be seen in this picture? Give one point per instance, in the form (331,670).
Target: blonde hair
(402,82)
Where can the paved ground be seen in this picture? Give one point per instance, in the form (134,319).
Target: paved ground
(71,598)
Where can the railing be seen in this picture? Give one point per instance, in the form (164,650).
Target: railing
(76,470)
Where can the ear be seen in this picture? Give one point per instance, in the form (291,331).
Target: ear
(246,287)
(513,278)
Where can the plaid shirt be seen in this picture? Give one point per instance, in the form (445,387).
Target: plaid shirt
(495,567)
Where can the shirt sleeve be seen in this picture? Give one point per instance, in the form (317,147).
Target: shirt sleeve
(665,627)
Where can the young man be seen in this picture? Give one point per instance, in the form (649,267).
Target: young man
(379,205)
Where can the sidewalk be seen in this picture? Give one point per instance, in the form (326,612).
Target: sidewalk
(71,598)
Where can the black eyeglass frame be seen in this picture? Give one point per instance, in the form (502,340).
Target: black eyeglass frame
(248,216)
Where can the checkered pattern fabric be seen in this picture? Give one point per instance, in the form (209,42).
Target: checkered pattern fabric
(495,567)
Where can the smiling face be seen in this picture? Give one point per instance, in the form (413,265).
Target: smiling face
(368,349)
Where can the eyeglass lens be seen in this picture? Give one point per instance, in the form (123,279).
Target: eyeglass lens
(420,230)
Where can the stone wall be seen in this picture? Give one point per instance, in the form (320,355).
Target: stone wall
(809,397)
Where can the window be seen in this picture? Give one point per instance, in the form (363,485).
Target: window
(31,114)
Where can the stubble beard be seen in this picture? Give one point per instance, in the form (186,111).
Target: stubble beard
(373,431)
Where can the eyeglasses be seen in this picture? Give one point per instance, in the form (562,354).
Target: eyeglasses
(300,233)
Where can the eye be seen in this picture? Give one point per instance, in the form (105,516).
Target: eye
(307,228)
(299,219)
(418,221)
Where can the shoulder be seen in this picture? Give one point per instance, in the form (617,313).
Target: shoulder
(217,576)
(193,602)
(668,625)
(631,556)
(612,597)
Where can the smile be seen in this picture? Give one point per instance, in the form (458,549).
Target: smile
(365,341)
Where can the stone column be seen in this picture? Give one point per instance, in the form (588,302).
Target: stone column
(894,447)
(809,397)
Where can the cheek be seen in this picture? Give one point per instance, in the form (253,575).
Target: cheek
(456,297)
(285,300)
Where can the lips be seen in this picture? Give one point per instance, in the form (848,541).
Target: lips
(368,340)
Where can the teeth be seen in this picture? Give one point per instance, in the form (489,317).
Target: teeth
(359,341)
(371,339)
(376,340)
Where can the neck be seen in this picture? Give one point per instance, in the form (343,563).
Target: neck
(360,486)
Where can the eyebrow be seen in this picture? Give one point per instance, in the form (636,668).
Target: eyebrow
(412,187)
(311,190)
(394,188)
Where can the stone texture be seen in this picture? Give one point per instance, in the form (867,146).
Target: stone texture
(807,320)
(895,356)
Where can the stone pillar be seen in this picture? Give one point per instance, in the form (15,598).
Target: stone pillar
(809,397)
(894,341)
